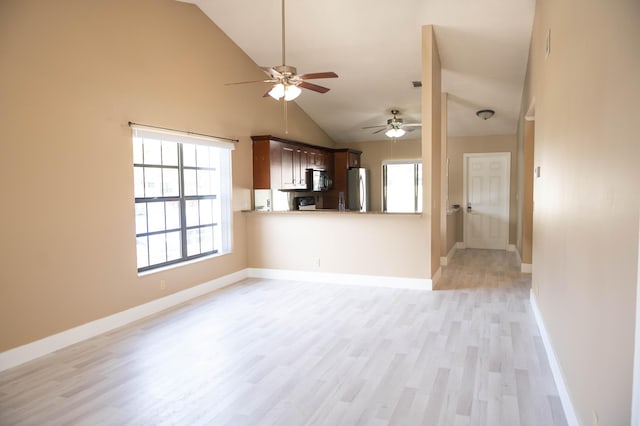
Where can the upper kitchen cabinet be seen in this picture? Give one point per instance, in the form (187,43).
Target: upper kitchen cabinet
(282,164)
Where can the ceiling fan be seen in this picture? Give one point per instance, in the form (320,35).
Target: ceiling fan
(285,78)
(395,126)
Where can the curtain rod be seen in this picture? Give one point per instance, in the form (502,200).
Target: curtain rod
(131,123)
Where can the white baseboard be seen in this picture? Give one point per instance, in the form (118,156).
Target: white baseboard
(569,411)
(517,252)
(526,268)
(21,354)
(444,261)
(350,279)
(436,277)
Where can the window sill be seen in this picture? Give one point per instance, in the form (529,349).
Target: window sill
(181,264)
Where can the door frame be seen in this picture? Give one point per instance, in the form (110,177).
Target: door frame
(465,165)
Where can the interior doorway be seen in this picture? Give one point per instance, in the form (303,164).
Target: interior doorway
(486,198)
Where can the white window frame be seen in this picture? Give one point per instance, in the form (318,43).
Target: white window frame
(223,244)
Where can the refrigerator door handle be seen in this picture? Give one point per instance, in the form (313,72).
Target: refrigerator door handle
(362,194)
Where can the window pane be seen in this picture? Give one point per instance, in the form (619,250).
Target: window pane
(172,212)
(192,213)
(400,188)
(143,252)
(188,155)
(216,211)
(157,249)
(152,151)
(155,215)
(204,182)
(202,154)
(217,236)
(170,183)
(193,242)
(215,181)
(141,218)
(137,151)
(206,213)
(214,157)
(152,182)
(206,239)
(190,187)
(138,182)
(169,153)
(174,246)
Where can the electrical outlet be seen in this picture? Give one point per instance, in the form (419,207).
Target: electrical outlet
(316,262)
(163,284)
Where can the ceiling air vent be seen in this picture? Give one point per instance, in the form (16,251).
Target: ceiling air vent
(416,83)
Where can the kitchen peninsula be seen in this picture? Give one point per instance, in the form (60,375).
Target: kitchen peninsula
(286,240)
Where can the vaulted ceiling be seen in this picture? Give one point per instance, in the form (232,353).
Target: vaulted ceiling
(375,48)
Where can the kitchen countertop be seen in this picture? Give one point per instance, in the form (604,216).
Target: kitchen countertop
(327,211)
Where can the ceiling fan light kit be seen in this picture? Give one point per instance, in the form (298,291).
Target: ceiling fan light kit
(289,92)
(485,114)
(395,132)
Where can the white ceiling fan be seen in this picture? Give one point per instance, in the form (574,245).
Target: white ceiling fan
(285,79)
(395,126)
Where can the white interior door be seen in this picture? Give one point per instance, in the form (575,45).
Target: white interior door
(486,195)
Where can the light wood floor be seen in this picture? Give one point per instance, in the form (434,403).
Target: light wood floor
(269,352)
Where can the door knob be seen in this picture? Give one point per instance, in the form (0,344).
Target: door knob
(468,207)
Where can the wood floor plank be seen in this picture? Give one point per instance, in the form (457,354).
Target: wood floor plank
(271,352)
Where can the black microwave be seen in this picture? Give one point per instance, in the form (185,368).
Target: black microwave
(318,180)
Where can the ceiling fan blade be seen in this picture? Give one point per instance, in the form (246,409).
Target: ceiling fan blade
(318,75)
(252,81)
(409,129)
(373,127)
(314,87)
(271,72)
(412,125)
(381,130)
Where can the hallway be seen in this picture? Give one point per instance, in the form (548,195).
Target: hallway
(477,268)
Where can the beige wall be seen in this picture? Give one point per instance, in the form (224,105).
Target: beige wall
(348,243)
(460,145)
(72,74)
(585,221)
(375,152)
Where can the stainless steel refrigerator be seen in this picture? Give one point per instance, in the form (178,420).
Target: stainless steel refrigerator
(358,190)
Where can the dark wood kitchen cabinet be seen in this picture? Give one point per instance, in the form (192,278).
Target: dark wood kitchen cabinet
(282,164)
